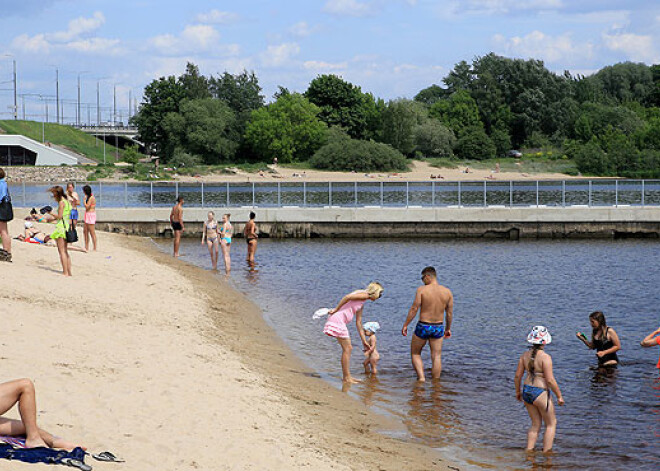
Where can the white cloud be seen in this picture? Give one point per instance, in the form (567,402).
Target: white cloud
(635,47)
(95,45)
(301,29)
(78,27)
(349,8)
(324,67)
(552,49)
(216,17)
(194,39)
(279,55)
(31,44)
(491,7)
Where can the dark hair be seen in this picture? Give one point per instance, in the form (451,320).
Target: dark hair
(599,317)
(429,271)
(73,185)
(2,173)
(252,215)
(530,364)
(57,192)
(179,199)
(87,190)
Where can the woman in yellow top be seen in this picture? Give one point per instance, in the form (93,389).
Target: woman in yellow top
(63,223)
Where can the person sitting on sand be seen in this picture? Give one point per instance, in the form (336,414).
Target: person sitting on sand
(371,356)
(603,339)
(535,394)
(652,339)
(46,216)
(350,306)
(433,301)
(21,392)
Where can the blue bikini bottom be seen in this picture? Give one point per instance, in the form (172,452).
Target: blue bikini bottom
(531,393)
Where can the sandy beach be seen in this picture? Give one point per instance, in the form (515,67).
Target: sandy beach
(171,369)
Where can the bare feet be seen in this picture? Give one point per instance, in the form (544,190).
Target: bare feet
(352,380)
(35,442)
(62,444)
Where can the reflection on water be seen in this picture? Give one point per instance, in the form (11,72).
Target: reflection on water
(501,289)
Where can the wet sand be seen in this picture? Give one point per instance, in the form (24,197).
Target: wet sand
(170,368)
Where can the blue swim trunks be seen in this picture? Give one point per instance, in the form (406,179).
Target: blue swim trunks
(428,330)
(74,214)
(531,393)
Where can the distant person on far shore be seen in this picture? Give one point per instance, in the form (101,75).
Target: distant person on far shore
(652,339)
(351,306)
(176,220)
(6,215)
(250,233)
(603,339)
(210,237)
(74,199)
(370,363)
(432,301)
(63,224)
(226,233)
(535,392)
(89,230)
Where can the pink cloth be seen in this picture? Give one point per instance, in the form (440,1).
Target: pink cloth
(90,218)
(335,326)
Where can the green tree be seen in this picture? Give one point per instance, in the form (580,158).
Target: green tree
(161,96)
(343,104)
(591,159)
(433,139)
(131,156)
(288,129)
(460,78)
(399,119)
(241,92)
(459,112)
(501,140)
(431,94)
(475,144)
(342,153)
(194,84)
(205,128)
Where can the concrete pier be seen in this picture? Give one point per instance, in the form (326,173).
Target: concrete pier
(448,222)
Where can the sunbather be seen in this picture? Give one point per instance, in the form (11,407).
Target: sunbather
(45,216)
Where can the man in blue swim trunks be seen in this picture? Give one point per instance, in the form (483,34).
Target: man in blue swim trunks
(432,301)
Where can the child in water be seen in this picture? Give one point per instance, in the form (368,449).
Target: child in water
(371,355)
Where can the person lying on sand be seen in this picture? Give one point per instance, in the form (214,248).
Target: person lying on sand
(35,236)
(21,392)
(46,216)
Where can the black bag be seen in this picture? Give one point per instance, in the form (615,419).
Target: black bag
(70,233)
(6,209)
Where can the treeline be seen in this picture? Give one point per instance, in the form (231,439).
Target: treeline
(609,123)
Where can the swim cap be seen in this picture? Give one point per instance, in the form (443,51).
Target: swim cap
(539,336)
(28,224)
(372,326)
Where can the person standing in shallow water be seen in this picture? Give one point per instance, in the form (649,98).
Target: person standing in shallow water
(176,220)
(535,394)
(603,339)
(651,340)
(432,301)
(250,233)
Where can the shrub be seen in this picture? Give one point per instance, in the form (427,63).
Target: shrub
(184,159)
(475,144)
(432,139)
(345,154)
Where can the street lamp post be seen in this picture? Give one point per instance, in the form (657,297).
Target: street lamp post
(78,117)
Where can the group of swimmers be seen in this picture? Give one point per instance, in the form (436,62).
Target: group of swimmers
(534,378)
(217,236)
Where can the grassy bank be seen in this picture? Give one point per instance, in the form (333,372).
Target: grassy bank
(64,136)
(531,165)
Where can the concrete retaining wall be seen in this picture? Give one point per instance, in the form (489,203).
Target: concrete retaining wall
(491,222)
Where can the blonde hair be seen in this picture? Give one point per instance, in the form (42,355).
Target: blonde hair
(374,289)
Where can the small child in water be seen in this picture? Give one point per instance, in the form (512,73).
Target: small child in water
(371,359)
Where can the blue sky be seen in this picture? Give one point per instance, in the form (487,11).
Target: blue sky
(392,48)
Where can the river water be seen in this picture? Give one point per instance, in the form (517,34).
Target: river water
(501,289)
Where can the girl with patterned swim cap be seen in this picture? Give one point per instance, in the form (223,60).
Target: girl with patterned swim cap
(349,307)
(535,394)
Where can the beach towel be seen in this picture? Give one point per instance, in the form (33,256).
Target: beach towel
(37,455)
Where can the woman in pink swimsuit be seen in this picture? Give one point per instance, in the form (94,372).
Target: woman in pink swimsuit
(336,326)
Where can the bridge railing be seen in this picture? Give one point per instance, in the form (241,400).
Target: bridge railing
(304,194)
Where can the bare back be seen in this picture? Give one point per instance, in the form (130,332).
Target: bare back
(435,299)
(176,214)
(537,379)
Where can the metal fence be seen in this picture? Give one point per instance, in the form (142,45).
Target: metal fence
(589,193)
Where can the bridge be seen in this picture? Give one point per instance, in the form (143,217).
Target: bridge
(118,135)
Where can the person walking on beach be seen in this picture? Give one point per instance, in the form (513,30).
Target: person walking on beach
(226,233)
(22,392)
(63,223)
(432,301)
(372,356)
(250,233)
(603,339)
(652,339)
(350,306)
(535,393)
(89,230)
(176,220)
(6,215)
(210,237)
(74,199)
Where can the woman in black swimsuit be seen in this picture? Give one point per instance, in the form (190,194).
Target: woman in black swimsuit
(603,339)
